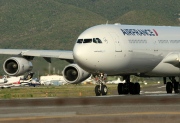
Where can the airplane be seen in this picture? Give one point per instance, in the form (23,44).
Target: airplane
(8,82)
(14,81)
(112,49)
(28,80)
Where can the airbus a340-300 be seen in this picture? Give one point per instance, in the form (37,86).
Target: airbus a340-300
(112,49)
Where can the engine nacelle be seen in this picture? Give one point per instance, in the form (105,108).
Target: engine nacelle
(74,74)
(16,66)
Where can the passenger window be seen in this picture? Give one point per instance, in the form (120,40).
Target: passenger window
(87,41)
(79,40)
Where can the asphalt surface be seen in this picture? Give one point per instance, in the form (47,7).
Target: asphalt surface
(152,106)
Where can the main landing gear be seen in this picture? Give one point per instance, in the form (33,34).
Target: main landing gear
(123,88)
(128,87)
(173,85)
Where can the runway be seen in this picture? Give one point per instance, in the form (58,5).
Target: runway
(144,108)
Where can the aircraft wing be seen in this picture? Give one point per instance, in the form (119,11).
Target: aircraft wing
(61,54)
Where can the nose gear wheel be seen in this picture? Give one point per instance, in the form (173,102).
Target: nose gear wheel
(101,88)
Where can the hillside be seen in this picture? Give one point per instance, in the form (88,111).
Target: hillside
(144,17)
(56,24)
(112,9)
(43,24)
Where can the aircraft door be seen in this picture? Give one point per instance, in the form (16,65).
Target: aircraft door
(155,44)
(116,41)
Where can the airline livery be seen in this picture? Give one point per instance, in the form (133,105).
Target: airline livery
(112,49)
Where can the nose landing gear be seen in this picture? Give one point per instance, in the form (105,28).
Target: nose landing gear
(101,88)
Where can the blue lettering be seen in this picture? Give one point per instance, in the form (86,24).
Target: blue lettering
(139,32)
(124,32)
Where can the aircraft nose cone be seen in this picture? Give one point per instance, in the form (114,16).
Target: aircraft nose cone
(78,54)
(84,57)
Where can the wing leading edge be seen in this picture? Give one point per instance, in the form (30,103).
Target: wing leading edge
(61,54)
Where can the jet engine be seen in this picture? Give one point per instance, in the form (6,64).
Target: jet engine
(16,66)
(74,74)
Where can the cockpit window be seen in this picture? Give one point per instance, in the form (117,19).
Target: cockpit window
(94,40)
(87,41)
(97,40)
(79,40)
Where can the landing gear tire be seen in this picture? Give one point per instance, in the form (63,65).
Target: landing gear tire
(131,88)
(101,90)
(120,88)
(97,90)
(137,88)
(169,87)
(104,90)
(176,87)
(126,88)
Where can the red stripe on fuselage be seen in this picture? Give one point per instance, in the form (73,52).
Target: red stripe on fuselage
(155,32)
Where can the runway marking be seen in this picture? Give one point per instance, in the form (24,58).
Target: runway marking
(154,92)
(145,93)
(162,86)
(162,95)
(38,114)
(90,115)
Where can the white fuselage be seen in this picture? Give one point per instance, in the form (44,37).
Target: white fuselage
(129,49)
(9,82)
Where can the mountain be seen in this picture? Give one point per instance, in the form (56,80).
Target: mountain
(113,9)
(144,18)
(43,24)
